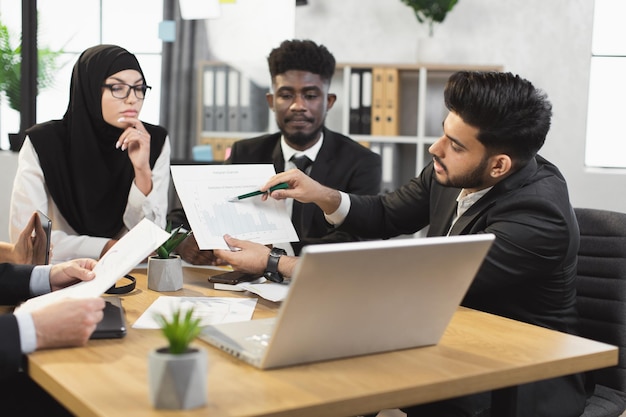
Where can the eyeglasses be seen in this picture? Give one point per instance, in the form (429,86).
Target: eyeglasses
(122,91)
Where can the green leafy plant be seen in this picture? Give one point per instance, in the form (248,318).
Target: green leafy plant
(179,330)
(430,11)
(11,63)
(176,238)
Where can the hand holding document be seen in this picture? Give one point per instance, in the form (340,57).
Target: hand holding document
(210,196)
(129,251)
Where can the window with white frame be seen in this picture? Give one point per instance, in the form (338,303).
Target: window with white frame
(606,137)
(133,25)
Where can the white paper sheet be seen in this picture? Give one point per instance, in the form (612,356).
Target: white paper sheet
(204,191)
(211,310)
(129,251)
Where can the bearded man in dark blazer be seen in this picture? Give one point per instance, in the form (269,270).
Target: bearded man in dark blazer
(486,176)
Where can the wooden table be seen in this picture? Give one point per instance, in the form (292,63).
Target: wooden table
(478,352)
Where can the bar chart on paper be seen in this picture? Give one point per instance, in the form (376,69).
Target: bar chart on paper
(205,191)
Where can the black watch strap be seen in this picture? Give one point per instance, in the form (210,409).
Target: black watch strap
(271,271)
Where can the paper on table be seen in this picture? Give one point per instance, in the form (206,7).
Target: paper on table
(204,191)
(131,249)
(269,290)
(211,310)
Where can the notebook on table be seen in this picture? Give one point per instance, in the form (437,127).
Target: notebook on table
(357,298)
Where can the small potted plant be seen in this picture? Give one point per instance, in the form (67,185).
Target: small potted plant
(10,74)
(177,373)
(165,271)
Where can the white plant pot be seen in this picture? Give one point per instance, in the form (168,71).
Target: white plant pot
(165,274)
(178,382)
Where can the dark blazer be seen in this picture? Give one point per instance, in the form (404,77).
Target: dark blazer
(530,270)
(341,164)
(14,287)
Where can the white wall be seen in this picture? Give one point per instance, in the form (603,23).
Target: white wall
(547,42)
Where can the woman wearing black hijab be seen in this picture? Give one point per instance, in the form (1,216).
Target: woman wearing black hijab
(100,170)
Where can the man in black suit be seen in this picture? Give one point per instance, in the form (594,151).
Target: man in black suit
(63,324)
(301,73)
(485,177)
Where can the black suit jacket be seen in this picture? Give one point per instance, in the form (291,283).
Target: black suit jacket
(341,163)
(14,287)
(529,273)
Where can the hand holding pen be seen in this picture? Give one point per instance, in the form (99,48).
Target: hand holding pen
(303,188)
(258,192)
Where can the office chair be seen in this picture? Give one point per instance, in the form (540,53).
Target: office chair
(601,300)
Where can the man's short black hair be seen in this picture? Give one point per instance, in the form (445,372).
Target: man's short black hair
(302,55)
(512,116)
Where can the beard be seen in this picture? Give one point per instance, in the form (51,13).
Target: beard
(473,179)
(300,138)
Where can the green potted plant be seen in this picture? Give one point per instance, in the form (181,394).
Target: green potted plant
(177,373)
(430,11)
(10,73)
(165,271)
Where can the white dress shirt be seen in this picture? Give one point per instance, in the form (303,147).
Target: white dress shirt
(39,284)
(288,152)
(30,193)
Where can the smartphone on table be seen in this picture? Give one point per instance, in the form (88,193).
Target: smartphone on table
(46,223)
(233,277)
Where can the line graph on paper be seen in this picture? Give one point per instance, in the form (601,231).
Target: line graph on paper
(204,191)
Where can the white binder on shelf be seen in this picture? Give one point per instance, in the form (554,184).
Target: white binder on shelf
(355,102)
(208,95)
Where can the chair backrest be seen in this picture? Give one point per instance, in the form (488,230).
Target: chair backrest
(601,286)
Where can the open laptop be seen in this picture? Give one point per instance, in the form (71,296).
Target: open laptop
(349,299)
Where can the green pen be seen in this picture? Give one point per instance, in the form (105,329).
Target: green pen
(279,186)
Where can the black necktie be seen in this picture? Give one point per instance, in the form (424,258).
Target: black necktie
(303,163)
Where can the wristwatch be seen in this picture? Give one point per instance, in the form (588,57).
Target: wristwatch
(271,271)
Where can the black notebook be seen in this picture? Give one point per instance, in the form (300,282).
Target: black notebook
(113,324)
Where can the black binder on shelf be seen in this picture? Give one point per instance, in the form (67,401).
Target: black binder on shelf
(365,109)
(254,110)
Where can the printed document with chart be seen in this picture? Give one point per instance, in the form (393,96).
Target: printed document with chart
(205,191)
